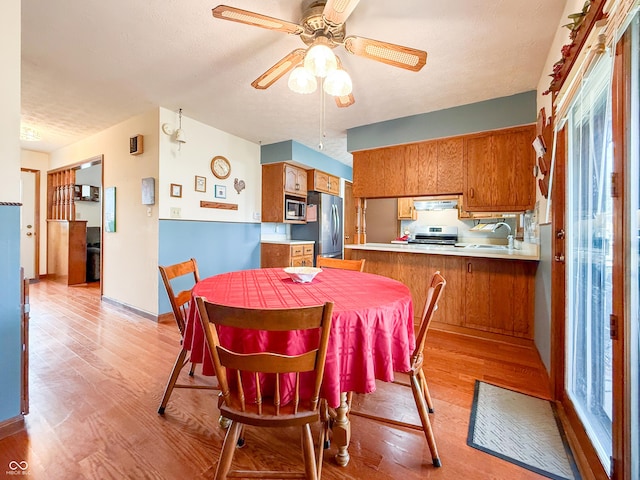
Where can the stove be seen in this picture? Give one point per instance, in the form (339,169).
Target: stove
(435,235)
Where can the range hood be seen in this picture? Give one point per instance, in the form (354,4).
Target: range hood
(428,204)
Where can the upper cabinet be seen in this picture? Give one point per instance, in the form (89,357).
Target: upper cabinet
(426,168)
(498,173)
(492,170)
(295,180)
(281,181)
(319,181)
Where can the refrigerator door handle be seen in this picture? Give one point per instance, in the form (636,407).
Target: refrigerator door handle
(337,225)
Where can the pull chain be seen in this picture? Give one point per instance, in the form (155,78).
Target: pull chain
(322,133)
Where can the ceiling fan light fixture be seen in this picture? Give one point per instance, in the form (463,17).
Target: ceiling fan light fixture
(320,60)
(301,80)
(338,83)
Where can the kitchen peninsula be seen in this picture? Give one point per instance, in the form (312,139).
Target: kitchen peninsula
(490,289)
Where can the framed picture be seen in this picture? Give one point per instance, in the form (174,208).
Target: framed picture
(201,184)
(176,190)
(221,191)
(110,209)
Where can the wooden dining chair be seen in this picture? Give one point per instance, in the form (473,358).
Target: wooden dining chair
(239,373)
(180,306)
(417,379)
(327,262)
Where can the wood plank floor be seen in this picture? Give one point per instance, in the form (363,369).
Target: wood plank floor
(98,372)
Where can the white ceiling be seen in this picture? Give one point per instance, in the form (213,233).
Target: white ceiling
(87,65)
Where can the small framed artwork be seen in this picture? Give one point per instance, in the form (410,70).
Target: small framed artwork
(221,191)
(176,190)
(148,191)
(201,184)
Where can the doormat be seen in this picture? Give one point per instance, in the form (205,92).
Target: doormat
(520,429)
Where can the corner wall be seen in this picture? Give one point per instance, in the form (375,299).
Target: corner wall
(130,254)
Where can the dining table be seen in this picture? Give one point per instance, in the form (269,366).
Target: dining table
(371,337)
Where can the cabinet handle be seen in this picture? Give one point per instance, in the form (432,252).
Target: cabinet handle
(471,192)
(469,267)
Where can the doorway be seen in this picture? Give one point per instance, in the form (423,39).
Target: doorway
(30,223)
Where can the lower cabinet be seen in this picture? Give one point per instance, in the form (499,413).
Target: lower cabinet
(482,294)
(273,255)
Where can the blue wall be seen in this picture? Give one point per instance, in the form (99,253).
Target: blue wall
(10,314)
(293,151)
(218,247)
(492,114)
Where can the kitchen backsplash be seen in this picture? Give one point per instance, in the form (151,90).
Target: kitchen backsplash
(465,234)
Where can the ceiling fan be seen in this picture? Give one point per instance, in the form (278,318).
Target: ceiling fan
(322,25)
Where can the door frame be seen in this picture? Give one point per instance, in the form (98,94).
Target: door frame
(36,219)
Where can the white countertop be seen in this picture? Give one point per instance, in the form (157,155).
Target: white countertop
(289,242)
(522,251)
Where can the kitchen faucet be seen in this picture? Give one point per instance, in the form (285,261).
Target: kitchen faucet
(509,236)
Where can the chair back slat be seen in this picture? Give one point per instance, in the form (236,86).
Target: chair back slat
(180,302)
(342,264)
(269,372)
(430,306)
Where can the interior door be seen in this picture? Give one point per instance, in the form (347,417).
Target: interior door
(28,223)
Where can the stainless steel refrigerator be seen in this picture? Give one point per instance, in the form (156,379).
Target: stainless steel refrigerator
(326,231)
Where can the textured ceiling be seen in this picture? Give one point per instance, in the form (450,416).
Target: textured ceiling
(87,65)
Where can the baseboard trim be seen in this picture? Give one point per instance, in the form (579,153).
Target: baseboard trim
(471,332)
(135,310)
(166,317)
(11,426)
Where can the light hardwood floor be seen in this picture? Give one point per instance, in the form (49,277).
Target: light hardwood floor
(98,372)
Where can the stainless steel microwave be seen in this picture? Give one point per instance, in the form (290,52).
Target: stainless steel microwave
(294,209)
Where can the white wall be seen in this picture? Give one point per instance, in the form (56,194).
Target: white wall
(39,161)
(10,101)
(561,38)
(130,255)
(194,158)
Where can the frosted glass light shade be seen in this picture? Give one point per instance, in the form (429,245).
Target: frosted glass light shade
(180,136)
(320,60)
(302,81)
(338,83)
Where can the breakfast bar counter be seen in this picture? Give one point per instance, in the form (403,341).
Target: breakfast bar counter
(521,251)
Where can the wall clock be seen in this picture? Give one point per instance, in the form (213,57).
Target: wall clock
(220,167)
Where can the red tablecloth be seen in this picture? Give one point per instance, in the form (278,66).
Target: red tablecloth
(371,334)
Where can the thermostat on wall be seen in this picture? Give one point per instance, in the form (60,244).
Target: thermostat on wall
(135,145)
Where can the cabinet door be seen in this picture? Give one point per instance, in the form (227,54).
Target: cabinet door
(420,168)
(450,173)
(368,174)
(477,293)
(393,161)
(478,173)
(295,180)
(333,185)
(405,209)
(514,158)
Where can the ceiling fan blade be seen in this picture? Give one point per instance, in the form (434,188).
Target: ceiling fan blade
(285,65)
(389,53)
(345,100)
(256,19)
(336,12)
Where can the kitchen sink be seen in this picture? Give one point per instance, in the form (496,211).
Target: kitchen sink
(487,247)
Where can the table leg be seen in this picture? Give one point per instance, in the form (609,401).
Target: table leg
(341,431)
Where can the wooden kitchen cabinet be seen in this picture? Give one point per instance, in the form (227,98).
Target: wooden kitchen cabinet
(319,181)
(483,296)
(281,181)
(295,180)
(405,209)
(274,255)
(499,296)
(498,171)
(426,168)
